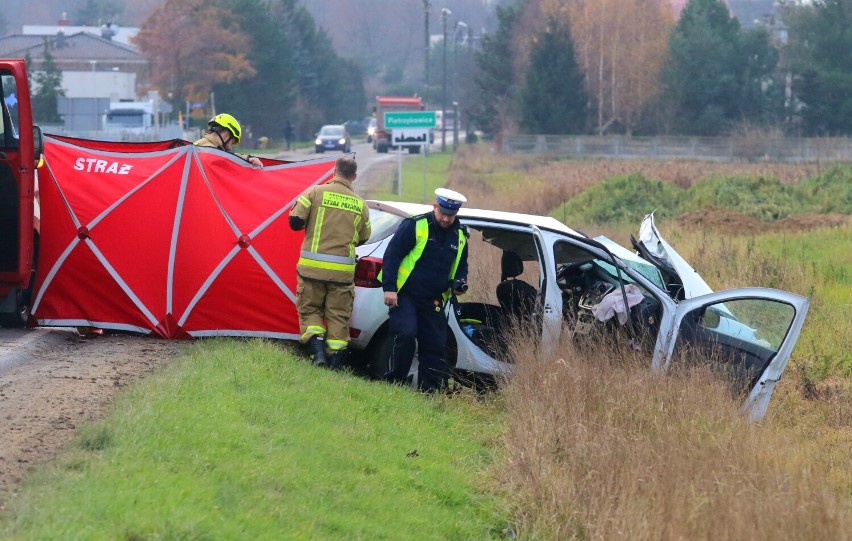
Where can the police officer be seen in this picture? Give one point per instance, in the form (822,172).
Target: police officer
(223,132)
(424,262)
(335,222)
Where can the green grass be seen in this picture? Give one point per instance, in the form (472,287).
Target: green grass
(824,259)
(416,188)
(245,440)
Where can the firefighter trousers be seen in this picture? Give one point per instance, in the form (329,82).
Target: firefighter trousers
(324,305)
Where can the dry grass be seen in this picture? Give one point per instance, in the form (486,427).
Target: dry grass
(600,447)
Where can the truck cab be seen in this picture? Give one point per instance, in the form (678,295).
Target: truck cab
(21,146)
(129,117)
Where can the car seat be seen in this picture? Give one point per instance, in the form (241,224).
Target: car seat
(517,298)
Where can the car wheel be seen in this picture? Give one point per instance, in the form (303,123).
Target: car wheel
(378,355)
(319,150)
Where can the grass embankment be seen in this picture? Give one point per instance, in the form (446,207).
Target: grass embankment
(245,440)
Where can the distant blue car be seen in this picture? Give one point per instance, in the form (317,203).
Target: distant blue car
(333,137)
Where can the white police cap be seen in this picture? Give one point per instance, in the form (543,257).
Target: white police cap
(449,201)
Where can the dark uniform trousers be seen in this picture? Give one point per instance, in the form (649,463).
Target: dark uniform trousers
(424,321)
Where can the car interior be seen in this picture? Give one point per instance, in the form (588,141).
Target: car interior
(500,302)
(584,280)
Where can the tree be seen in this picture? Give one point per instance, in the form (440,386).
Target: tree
(47,87)
(263,101)
(193,45)
(554,100)
(820,42)
(716,76)
(495,74)
(97,12)
(330,89)
(621,46)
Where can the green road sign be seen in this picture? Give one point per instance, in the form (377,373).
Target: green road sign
(410,119)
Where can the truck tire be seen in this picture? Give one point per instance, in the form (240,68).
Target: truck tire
(21,313)
(21,299)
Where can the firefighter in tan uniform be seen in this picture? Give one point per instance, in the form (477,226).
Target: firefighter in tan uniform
(335,222)
(223,132)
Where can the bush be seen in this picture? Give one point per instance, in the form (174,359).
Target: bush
(763,198)
(622,200)
(829,192)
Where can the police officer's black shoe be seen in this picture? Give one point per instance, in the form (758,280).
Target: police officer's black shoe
(338,359)
(317,347)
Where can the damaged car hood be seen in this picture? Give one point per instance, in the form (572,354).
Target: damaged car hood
(654,248)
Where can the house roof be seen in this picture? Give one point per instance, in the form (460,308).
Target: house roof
(79,47)
(120,34)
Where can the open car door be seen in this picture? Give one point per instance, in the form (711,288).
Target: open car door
(746,334)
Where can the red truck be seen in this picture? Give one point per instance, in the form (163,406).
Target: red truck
(384,104)
(21,146)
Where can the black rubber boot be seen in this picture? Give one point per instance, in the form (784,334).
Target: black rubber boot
(317,347)
(338,359)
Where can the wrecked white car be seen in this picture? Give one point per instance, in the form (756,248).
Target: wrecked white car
(562,281)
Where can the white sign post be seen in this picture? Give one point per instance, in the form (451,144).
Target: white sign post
(410,128)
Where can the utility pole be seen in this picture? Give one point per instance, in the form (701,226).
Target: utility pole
(461,28)
(445,13)
(426,6)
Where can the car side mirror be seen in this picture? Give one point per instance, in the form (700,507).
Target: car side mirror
(38,143)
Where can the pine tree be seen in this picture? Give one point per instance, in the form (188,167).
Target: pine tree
(717,75)
(821,65)
(47,85)
(554,99)
(495,74)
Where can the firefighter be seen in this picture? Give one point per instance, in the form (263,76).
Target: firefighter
(425,261)
(223,132)
(335,222)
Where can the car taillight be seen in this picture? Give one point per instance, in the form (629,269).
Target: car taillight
(367,272)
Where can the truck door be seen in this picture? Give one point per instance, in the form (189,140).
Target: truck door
(20,148)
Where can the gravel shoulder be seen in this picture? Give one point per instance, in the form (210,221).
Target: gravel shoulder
(61,386)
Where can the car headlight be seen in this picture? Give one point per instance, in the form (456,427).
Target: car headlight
(341,141)
(318,141)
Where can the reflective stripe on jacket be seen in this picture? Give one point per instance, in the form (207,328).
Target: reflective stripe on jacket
(336,221)
(421,235)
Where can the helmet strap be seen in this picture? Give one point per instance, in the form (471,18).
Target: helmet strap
(218,131)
